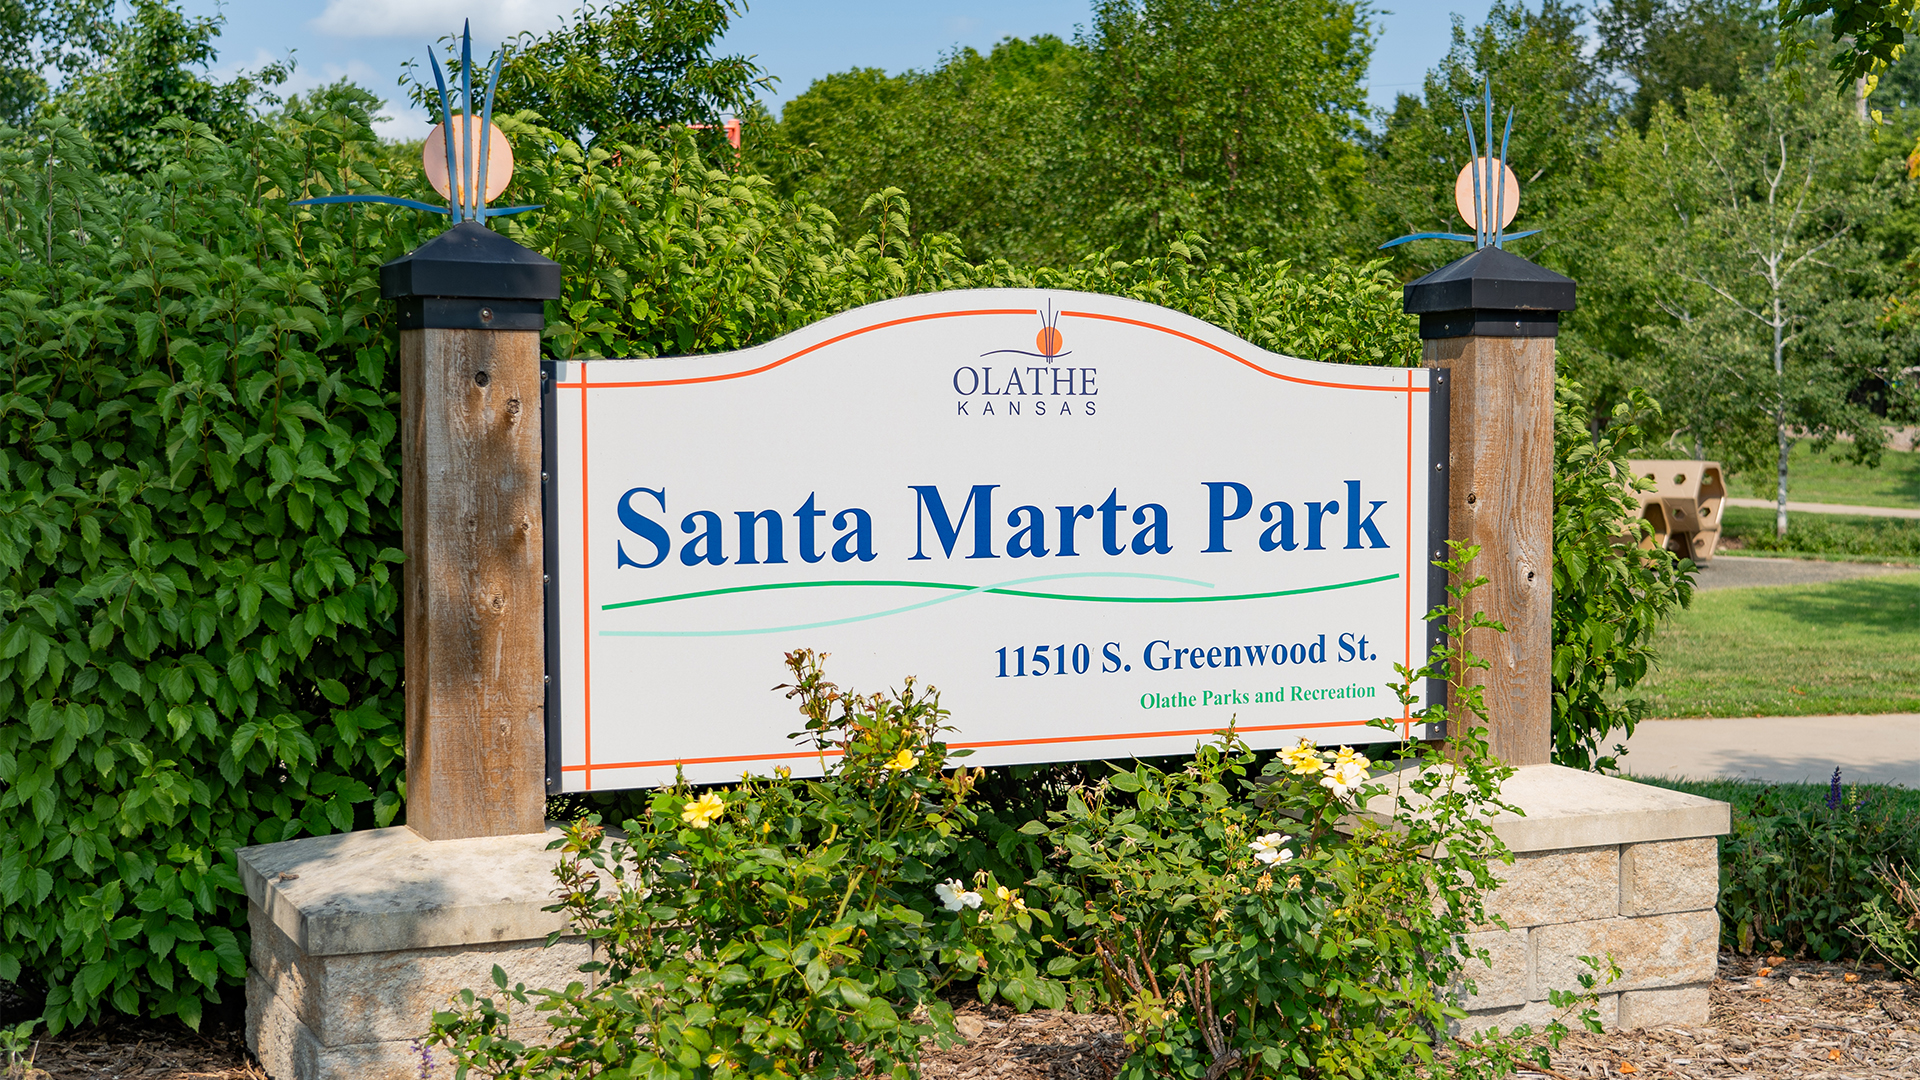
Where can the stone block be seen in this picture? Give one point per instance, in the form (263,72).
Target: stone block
(1652,951)
(1569,808)
(1509,981)
(289,1050)
(1537,1015)
(1664,1006)
(386,889)
(375,997)
(358,938)
(1542,887)
(1664,876)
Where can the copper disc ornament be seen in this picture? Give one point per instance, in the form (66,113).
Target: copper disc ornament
(1463,193)
(499,159)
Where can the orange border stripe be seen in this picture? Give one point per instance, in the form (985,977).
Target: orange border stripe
(583,384)
(590,769)
(1409,389)
(586,600)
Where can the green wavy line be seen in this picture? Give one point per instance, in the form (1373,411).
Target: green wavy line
(869,583)
(1002,589)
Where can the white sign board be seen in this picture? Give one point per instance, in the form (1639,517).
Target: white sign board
(1100,528)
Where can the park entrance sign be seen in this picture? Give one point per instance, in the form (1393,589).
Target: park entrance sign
(1099,527)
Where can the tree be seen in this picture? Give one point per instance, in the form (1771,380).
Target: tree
(985,144)
(1666,47)
(148,78)
(1870,34)
(1746,228)
(620,72)
(1234,120)
(38,35)
(1540,64)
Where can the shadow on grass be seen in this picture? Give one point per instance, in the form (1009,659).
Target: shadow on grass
(1889,605)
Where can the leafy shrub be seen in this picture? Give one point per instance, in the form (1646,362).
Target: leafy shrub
(1752,529)
(1261,927)
(1608,596)
(793,928)
(1891,924)
(199,533)
(783,928)
(1792,877)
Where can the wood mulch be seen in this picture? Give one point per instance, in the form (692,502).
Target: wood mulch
(1800,1021)
(144,1051)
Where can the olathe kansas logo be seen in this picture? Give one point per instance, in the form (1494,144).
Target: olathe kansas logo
(1011,388)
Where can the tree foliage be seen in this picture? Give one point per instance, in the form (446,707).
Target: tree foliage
(1746,232)
(1237,121)
(1667,47)
(985,144)
(1231,119)
(38,36)
(146,79)
(1609,597)
(620,72)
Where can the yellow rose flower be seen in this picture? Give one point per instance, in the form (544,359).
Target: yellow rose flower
(703,811)
(902,761)
(1303,759)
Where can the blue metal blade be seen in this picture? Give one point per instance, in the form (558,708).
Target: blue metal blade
(446,129)
(486,133)
(467,196)
(1426,236)
(326,200)
(1436,236)
(1473,160)
(1500,217)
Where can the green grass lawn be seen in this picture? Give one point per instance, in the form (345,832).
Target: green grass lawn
(1745,795)
(1800,650)
(1817,478)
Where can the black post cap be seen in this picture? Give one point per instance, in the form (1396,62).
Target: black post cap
(1490,293)
(471,278)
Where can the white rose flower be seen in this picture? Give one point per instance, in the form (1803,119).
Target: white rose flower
(1267,849)
(1345,777)
(955,895)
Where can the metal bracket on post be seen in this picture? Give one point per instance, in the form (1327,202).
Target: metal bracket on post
(550,566)
(1439,399)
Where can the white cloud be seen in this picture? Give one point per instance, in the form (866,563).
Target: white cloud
(428,20)
(395,119)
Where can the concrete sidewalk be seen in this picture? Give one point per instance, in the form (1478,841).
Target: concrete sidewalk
(1882,749)
(1829,508)
(1748,571)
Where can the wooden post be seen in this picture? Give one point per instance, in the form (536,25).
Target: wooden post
(473,606)
(1489,321)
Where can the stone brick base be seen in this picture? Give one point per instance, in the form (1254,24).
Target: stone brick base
(1602,867)
(359,938)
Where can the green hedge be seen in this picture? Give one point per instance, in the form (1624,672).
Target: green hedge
(199,515)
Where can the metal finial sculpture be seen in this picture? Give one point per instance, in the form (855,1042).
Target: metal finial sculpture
(1479,177)
(464,182)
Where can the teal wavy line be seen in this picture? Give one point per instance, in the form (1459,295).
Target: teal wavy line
(1001,587)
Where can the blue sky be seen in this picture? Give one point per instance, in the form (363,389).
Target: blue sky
(796,40)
